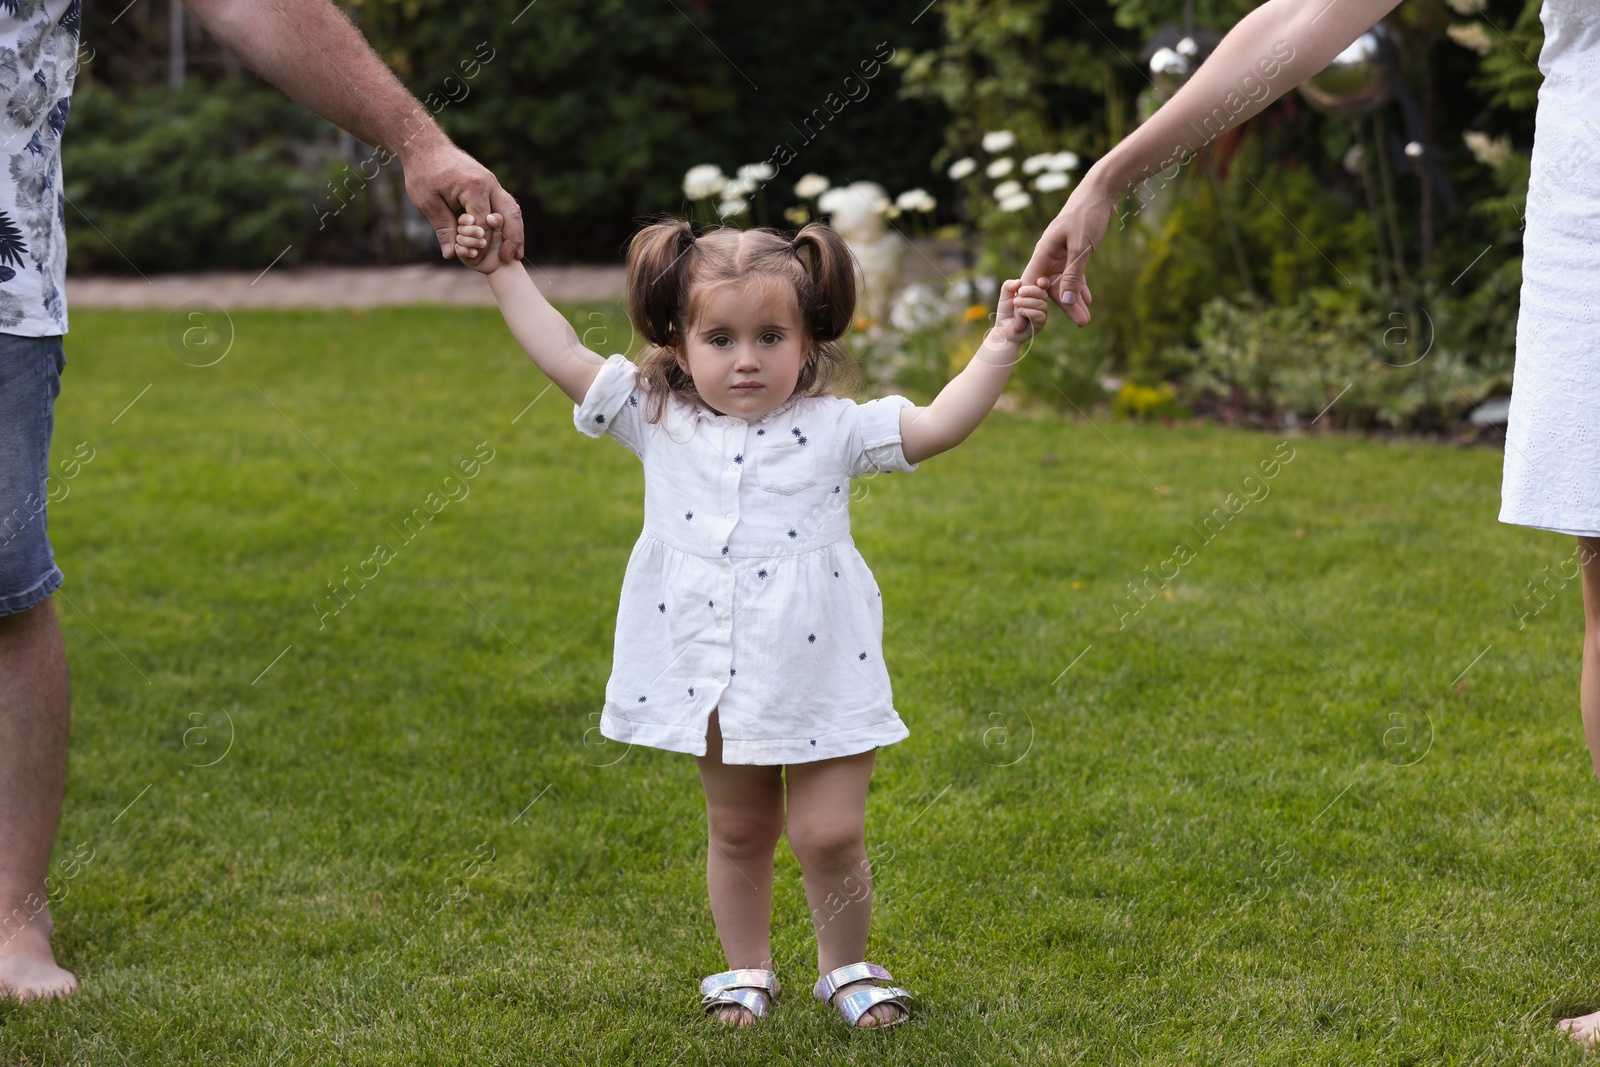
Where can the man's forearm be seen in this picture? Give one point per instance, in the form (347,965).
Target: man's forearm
(310,50)
(1274,48)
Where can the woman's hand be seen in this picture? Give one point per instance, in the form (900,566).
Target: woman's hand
(477,247)
(1022,310)
(1065,246)
(1269,51)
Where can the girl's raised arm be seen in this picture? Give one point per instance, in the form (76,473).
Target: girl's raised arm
(541,330)
(962,404)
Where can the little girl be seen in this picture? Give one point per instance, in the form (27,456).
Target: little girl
(750,630)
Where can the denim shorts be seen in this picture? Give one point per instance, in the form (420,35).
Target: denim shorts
(30,381)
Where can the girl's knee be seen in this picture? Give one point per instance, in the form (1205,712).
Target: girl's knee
(829,844)
(744,833)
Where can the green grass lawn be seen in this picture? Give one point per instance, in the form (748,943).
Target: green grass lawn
(1321,801)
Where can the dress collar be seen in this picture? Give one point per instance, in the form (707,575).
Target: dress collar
(702,412)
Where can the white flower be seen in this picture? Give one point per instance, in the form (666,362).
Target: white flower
(998,140)
(964,292)
(915,200)
(1064,161)
(1050,181)
(1034,164)
(1466,7)
(916,308)
(833,199)
(1005,189)
(757,172)
(705,180)
(729,208)
(887,209)
(735,188)
(1016,202)
(1490,153)
(812,185)
(961,168)
(1355,159)
(1471,35)
(999,168)
(829,202)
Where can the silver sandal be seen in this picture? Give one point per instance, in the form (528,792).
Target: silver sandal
(856,1004)
(750,988)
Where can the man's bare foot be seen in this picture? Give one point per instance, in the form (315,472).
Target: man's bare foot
(734,1015)
(878,1015)
(28,968)
(1584,1029)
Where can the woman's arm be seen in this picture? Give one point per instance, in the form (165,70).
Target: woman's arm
(1274,48)
(962,404)
(541,330)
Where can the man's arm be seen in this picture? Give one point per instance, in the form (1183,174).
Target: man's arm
(310,50)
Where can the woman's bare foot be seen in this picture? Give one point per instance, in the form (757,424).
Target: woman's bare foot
(1584,1029)
(878,1015)
(28,968)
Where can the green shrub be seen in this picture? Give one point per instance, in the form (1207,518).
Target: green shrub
(1341,355)
(1192,259)
(206,178)
(1063,366)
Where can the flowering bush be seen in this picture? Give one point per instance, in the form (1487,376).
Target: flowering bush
(927,335)
(1006,209)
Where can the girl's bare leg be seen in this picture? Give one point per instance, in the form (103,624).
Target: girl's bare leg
(827,830)
(744,816)
(1586,1028)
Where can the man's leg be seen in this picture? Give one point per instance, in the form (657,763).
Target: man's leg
(34,726)
(33,668)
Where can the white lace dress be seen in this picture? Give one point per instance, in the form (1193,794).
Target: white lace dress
(1552,464)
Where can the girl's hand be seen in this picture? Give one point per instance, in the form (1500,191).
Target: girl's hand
(1022,310)
(477,247)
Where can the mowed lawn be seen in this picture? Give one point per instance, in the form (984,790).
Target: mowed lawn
(1323,800)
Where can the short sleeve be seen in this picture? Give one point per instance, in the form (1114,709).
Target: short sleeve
(614,404)
(874,443)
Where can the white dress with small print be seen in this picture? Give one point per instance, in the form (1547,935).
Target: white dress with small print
(745,592)
(1552,462)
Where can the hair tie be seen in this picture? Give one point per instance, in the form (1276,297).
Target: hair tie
(794,246)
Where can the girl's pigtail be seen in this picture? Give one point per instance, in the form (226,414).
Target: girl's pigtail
(658,261)
(832,269)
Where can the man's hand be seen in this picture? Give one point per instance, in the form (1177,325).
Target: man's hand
(477,247)
(443,180)
(1065,246)
(1021,312)
(312,51)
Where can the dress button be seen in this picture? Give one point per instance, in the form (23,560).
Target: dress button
(729,516)
(721,624)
